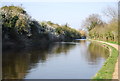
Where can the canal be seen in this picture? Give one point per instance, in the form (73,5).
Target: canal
(79,59)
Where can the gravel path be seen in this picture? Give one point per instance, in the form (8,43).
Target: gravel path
(115,74)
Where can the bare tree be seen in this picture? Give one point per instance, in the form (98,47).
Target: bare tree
(92,21)
(111,12)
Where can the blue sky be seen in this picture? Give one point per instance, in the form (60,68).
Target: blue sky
(72,13)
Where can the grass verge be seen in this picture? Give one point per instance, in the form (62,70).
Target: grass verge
(114,42)
(107,69)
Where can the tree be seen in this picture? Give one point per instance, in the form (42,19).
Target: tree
(83,33)
(111,12)
(50,23)
(92,21)
(66,25)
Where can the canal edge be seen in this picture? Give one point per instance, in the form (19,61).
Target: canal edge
(115,73)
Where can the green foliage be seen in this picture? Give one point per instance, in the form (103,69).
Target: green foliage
(50,23)
(59,30)
(17,24)
(100,30)
(15,17)
(64,31)
(13,9)
(108,32)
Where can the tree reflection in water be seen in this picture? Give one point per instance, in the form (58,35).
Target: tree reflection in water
(95,52)
(18,62)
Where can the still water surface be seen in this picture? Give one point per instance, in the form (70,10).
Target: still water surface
(79,59)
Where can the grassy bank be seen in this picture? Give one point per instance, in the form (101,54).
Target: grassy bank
(107,69)
(114,42)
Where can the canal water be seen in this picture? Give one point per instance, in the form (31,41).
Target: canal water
(78,59)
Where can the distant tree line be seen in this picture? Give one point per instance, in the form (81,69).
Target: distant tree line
(100,30)
(19,28)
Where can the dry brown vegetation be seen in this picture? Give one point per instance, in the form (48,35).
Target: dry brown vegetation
(100,30)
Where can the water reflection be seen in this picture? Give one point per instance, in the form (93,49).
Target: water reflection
(71,60)
(18,62)
(96,51)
